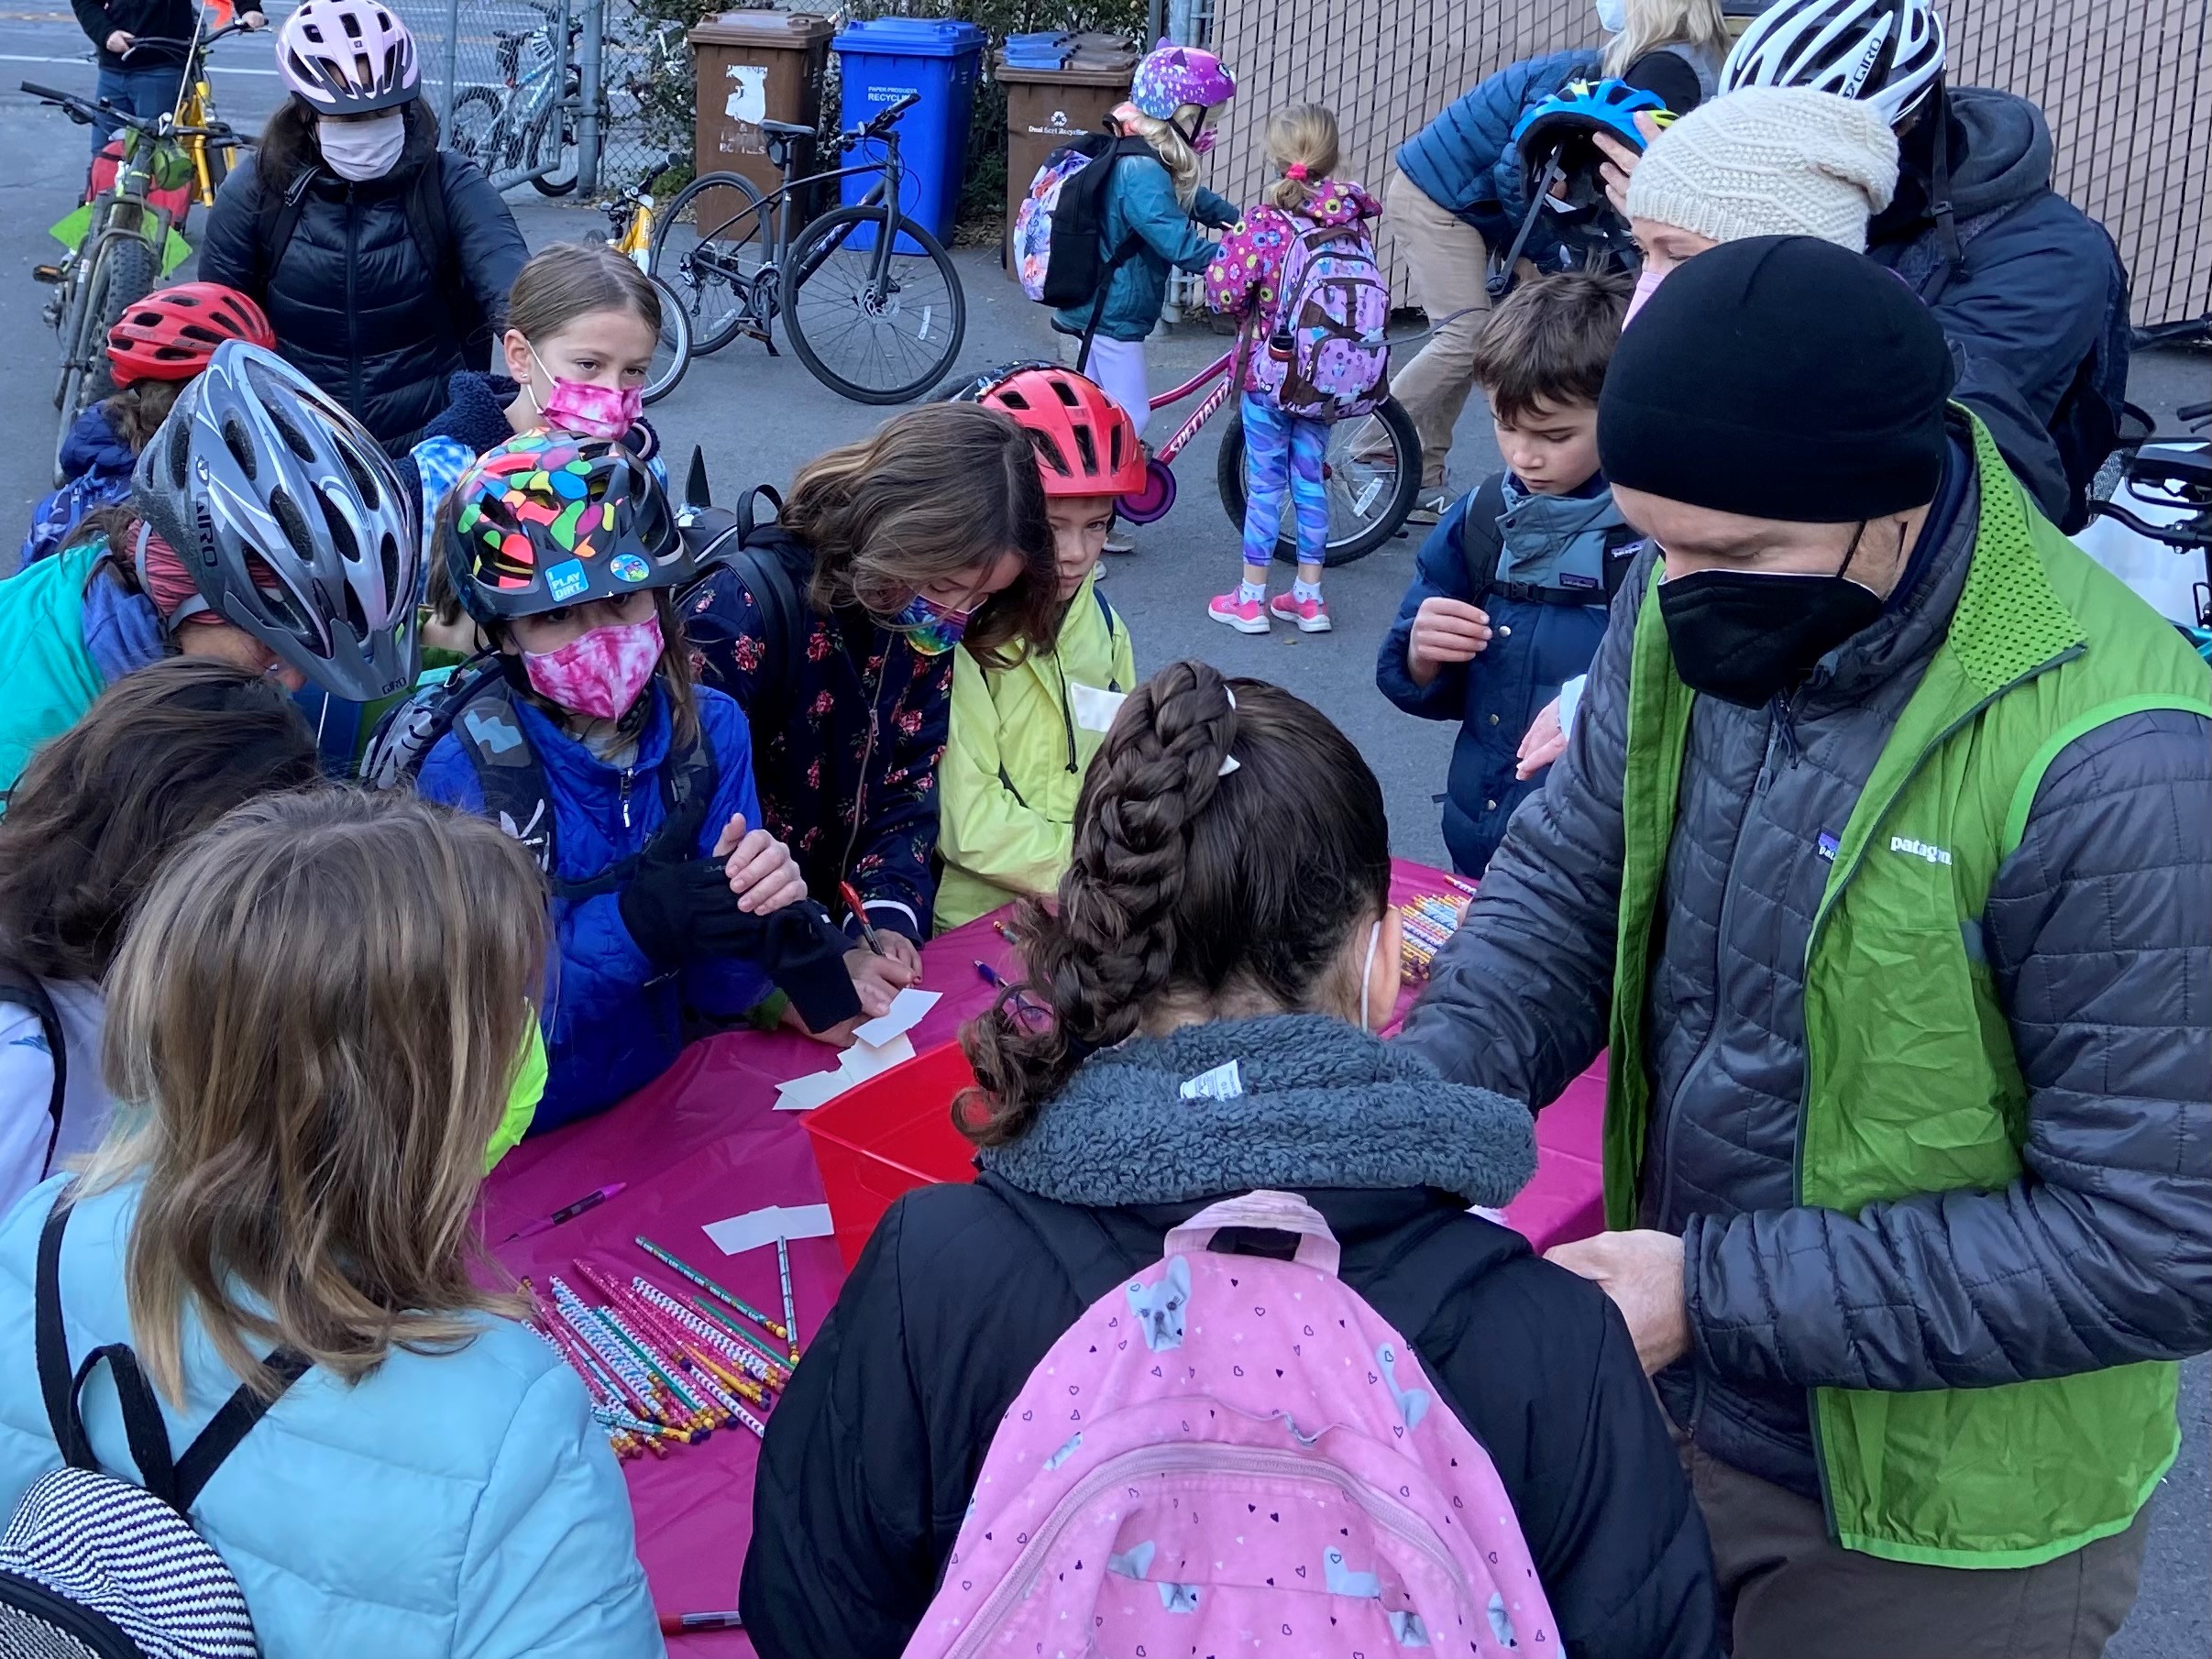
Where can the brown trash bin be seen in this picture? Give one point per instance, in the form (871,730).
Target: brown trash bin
(1046,107)
(752,66)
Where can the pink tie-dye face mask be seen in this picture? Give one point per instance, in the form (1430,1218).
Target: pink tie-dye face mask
(599,674)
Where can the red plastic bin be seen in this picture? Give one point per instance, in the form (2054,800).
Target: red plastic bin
(888,1135)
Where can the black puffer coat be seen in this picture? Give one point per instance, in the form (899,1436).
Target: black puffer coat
(355,302)
(872,1456)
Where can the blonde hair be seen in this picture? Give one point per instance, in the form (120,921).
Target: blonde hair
(1656,23)
(1304,134)
(1168,144)
(319,1008)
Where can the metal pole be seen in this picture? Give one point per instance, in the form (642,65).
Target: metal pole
(453,48)
(588,134)
(1155,21)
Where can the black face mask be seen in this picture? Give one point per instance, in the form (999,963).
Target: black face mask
(1748,636)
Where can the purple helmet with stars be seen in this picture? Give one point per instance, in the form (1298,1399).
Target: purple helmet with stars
(1171,76)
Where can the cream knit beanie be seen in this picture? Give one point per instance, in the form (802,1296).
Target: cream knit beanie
(1769,161)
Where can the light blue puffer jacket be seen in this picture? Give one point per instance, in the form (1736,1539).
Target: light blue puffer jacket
(454,1504)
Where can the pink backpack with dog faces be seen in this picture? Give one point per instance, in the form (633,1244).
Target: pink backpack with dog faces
(1231,1454)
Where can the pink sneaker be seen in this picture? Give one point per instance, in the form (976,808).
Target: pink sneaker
(1246,616)
(1311,615)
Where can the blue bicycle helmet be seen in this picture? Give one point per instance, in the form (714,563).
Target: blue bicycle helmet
(1565,123)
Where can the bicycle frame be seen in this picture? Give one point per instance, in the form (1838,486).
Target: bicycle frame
(776,209)
(1208,407)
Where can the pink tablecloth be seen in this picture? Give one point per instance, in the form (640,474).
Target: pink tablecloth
(704,1143)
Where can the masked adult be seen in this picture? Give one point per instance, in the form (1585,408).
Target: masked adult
(1881,858)
(383,261)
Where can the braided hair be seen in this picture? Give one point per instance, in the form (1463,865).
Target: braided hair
(1188,884)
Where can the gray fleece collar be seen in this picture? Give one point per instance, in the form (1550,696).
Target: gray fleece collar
(1322,1105)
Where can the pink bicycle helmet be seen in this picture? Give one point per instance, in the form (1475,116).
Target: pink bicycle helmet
(347,57)
(1171,76)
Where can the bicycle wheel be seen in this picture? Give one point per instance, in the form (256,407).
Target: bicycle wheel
(474,130)
(1372,471)
(131,272)
(874,344)
(553,143)
(711,246)
(673,355)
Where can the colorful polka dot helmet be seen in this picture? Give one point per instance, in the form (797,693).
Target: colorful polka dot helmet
(1171,76)
(548,520)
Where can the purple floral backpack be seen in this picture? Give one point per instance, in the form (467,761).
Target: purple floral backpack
(1233,1454)
(1326,358)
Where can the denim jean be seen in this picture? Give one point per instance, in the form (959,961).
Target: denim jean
(151,91)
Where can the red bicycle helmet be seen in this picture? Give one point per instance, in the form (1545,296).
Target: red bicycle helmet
(1086,443)
(172,332)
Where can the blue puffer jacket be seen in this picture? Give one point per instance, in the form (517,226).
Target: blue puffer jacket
(615,1020)
(458,1504)
(1533,541)
(98,464)
(1465,161)
(1140,203)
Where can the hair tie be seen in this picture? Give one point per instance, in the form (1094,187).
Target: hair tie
(1296,169)
(1228,761)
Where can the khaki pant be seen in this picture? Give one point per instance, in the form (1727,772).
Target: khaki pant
(1447,261)
(1790,1593)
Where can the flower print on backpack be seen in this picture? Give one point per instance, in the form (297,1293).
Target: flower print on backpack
(1300,271)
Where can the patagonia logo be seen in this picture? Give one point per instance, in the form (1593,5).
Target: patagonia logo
(1571,579)
(1912,848)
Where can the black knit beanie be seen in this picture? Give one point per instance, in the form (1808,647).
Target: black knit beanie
(1779,378)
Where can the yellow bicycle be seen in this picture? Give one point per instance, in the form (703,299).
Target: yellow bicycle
(630,217)
(194,117)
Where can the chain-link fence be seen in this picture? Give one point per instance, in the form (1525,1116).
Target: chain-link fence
(2123,87)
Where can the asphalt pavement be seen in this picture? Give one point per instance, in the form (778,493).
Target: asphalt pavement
(757,417)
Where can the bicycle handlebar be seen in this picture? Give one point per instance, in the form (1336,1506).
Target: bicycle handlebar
(82,110)
(890,114)
(2185,538)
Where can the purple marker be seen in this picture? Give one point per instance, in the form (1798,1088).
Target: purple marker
(590,1200)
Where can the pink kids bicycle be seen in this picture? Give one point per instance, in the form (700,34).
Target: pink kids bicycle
(1372,468)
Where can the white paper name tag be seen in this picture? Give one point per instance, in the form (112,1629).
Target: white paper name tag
(1223,1082)
(1095,708)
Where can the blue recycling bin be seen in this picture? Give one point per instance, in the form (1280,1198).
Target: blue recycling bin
(940,58)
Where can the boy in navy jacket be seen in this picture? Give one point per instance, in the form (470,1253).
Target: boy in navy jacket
(1508,600)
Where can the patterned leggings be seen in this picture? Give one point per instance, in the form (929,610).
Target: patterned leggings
(1282,452)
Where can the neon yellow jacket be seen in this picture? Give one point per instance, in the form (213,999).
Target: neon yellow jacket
(1021,740)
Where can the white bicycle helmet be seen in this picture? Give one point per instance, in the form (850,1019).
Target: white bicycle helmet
(291,519)
(347,57)
(1886,52)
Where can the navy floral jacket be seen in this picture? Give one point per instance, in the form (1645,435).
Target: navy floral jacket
(847,773)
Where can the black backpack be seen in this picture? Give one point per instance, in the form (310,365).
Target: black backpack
(277,219)
(476,703)
(94,1565)
(1076,265)
(24,988)
(775,567)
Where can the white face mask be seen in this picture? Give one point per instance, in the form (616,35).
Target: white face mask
(1367,975)
(1612,16)
(364,150)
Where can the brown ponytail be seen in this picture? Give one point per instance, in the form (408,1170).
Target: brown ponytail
(1186,882)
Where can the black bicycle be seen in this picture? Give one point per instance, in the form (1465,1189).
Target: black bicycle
(869,299)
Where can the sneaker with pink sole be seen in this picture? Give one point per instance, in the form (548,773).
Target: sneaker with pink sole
(1310,615)
(1246,616)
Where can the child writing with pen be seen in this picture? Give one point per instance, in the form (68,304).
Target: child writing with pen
(584,738)
(889,553)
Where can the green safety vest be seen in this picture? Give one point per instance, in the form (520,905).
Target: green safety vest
(1910,1081)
